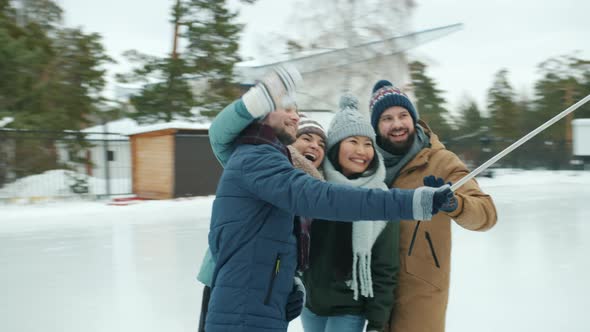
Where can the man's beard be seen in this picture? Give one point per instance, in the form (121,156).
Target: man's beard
(396,148)
(284,137)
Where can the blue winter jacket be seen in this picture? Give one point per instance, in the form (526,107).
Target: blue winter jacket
(228,124)
(251,235)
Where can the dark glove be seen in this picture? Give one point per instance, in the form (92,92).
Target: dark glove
(449,206)
(442,196)
(433,181)
(295,300)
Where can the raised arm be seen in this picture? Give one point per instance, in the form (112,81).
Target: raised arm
(226,126)
(275,90)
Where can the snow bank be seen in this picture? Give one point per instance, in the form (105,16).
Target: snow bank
(59,182)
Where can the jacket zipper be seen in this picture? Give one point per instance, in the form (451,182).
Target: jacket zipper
(273,276)
(413,238)
(432,249)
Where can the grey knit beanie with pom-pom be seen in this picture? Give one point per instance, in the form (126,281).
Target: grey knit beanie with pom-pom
(349,121)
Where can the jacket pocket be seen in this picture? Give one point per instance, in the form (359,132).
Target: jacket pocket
(424,264)
(419,268)
(273,276)
(432,251)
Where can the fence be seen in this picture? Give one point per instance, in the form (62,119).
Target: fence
(40,164)
(37,163)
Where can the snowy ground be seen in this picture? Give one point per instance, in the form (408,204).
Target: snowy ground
(88,266)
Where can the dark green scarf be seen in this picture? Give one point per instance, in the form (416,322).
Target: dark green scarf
(394,163)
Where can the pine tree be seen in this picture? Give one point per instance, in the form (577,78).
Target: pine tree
(472,138)
(584,111)
(168,92)
(51,76)
(44,13)
(76,79)
(470,119)
(212,51)
(24,52)
(528,154)
(502,108)
(564,81)
(429,101)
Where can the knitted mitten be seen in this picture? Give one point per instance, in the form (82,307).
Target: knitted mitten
(275,90)
(427,201)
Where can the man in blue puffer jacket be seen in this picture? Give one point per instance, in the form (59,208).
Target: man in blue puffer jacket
(251,235)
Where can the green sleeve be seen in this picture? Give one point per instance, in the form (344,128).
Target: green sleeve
(226,126)
(206,271)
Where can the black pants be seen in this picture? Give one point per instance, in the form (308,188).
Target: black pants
(204,307)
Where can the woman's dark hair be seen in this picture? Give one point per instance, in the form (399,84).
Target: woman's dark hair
(333,157)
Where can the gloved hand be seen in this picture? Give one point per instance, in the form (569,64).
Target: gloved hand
(275,90)
(442,197)
(295,300)
(427,201)
(433,181)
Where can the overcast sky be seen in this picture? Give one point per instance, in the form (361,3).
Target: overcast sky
(516,35)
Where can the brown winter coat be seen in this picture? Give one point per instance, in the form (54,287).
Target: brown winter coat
(423,288)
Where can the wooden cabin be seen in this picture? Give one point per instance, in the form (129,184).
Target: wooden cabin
(170,162)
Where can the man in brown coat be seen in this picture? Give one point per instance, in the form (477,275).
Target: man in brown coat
(411,152)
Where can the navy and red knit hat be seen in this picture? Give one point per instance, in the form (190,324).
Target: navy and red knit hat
(385,95)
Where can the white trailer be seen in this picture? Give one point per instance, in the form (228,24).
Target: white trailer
(581,137)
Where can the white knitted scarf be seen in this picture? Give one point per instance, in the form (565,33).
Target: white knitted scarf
(364,233)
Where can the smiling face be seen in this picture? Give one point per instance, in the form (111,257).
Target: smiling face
(396,130)
(284,121)
(312,147)
(355,154)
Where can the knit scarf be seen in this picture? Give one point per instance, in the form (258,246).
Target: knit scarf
(364,233)
(258,133)
(302,163)
(303,224)
(394,163)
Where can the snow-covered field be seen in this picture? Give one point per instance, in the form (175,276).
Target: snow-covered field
(89,266)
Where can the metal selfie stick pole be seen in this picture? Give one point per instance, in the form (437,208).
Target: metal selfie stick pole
(518,143)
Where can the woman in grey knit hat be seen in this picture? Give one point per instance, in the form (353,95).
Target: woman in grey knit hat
(353,266)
